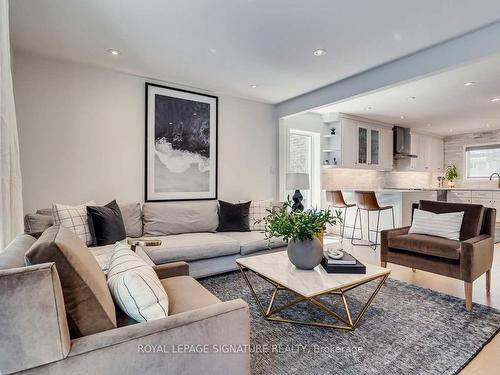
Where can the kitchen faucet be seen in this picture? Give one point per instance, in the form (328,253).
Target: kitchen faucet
(491,176)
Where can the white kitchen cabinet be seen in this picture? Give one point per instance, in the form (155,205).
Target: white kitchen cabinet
(459,196)
(356,144)
(429,151)
(373,146)
(411,197)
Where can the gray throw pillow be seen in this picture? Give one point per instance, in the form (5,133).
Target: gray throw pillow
(132,218)
(37,223)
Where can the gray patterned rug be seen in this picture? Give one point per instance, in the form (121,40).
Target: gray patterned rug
(406,330)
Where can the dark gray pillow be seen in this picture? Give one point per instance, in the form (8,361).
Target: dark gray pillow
(106,224)
(233,217)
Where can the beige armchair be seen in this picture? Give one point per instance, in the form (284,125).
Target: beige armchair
(35,338)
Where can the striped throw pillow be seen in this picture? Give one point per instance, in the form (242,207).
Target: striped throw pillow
(441,225)
(135,287)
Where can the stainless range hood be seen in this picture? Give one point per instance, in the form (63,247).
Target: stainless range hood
(402,143)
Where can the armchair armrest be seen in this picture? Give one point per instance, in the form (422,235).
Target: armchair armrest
(171,269)
(190,342)
(389,233)
(476,256)
(384,239)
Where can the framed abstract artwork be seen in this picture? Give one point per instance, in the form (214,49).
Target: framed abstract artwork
(181,144)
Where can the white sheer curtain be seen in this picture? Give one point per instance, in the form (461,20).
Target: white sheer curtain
(11,202)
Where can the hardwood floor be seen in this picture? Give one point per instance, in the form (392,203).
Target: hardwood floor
(487,361)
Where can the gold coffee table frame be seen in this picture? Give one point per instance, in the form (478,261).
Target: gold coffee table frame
(350,323)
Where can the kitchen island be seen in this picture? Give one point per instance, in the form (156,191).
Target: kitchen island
(402,200)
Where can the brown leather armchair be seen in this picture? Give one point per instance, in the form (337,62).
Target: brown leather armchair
(466,259)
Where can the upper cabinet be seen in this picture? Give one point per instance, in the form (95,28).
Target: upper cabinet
(351,143)
(429,151)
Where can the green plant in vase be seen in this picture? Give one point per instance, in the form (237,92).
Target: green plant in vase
(303,230)
(451,174)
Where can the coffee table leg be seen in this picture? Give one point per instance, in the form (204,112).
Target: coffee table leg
(269,313)
(365,307)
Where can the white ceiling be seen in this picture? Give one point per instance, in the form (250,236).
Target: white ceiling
(227,45)
(443,104)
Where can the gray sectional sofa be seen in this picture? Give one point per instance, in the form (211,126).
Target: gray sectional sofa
(188,231)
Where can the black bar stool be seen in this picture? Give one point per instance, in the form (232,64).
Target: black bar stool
(335,199)
(367,201)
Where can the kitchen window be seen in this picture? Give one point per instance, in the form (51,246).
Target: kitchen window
(482,160)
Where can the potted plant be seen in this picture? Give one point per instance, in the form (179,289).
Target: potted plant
(302,230)
(451,174)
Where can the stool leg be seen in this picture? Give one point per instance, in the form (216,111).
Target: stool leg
(342,229)
(376,232)
(393,221)
(354,227)
(368,218)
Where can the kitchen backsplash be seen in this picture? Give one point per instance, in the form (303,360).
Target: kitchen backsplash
(368,179)
(454,146)
(352,178)
(410,180)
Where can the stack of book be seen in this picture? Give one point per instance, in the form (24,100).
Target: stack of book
(346,264)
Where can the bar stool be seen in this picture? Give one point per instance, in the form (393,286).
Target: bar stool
(336,200)
(367,201)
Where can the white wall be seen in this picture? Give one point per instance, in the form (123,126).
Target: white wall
(81,132)
(310,122)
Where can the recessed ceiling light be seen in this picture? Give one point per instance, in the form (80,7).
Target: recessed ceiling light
(428,125)
(451,130)
(397,36)
(319,52)
(469,83)
(412,98)
(253,86)
(488,125)
(114,52)
(402,117)
(495,99)
(369,108)
(212,50)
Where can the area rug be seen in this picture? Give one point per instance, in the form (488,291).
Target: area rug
(406,330)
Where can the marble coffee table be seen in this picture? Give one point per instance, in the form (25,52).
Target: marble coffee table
(307,285)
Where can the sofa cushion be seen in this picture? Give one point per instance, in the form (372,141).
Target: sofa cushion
(473,215)
(37,223)
(44,211)
(191,246)
(88,302)
(106,224)
(186,294)
(132,218)
(13,255)
(251,242)
(180,217)
(428,245)
(233,217)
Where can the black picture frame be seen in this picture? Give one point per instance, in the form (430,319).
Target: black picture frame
(213,192)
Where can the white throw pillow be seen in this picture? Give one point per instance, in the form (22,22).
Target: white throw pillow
(74,218)
(258,211)
(441,225)
(135,287)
